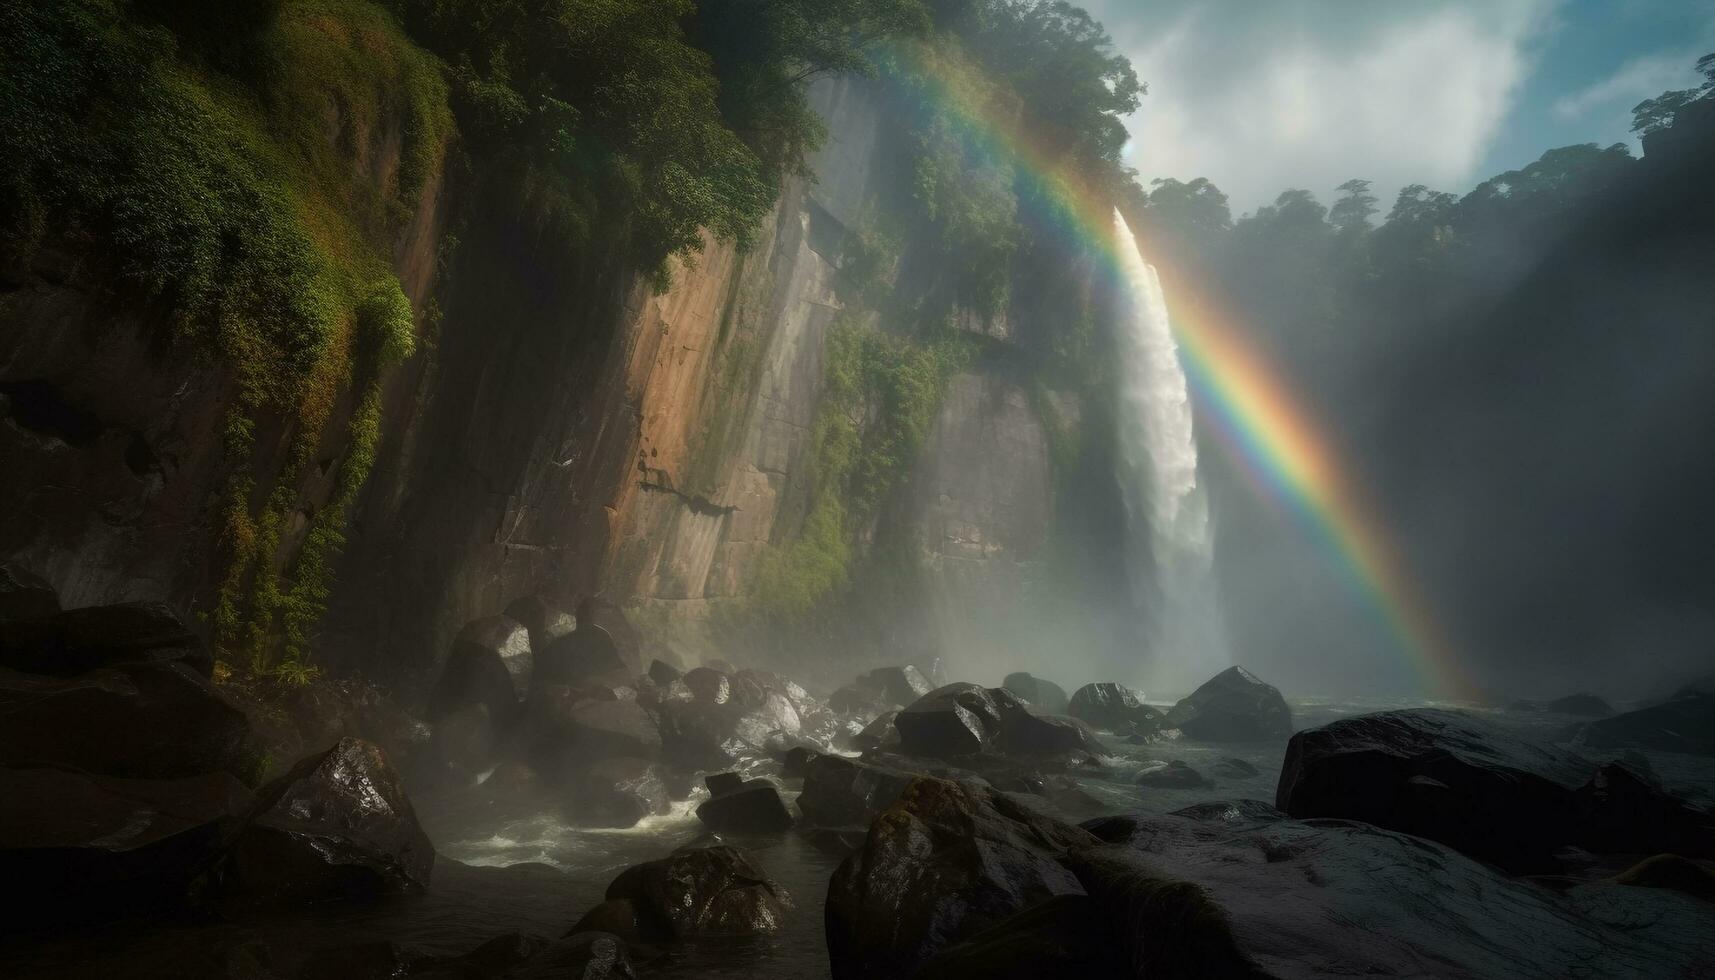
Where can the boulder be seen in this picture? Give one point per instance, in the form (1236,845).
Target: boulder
(1109,706)
(1672,872)
(796,761)
(585,656)
(708,685)
(880,733)
(338,825)
(25,595)
(1045,696)
(491,959)
(489,665)
(695,891)
(1683,724)
(1024,732)
(1230,768)
(896,686)
(698,735)
(1171,775)
(78,640)
(753,807)
(581,955)
(1233,706)
(1241,892)
(841,792)
(1061,937)
(464,743)
(75,846)
(544,621)
(616,792)
(606,615)
(663,674)
(1468,783)
(853,701)
(939,866)
(954,720)
(146,720)
(588,730)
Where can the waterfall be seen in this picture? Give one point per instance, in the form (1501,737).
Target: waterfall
(1169,544)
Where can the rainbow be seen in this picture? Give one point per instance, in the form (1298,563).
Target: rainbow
(1257,421)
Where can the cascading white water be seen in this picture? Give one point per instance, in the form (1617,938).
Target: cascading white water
(1169,541)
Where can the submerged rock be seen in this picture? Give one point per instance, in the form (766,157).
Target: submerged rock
(338,825)
(1470,784)
(75,846)
(695,891)
(1111,706)
(1045,696)
(939,866)
(146,720)
(752,807)
(1172,775)
(1233,706)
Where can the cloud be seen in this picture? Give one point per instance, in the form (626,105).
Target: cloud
(1259,97)
(1636,80)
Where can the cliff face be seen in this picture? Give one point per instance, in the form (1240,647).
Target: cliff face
(561,432)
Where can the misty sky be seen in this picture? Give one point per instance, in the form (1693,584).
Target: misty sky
(1259,97)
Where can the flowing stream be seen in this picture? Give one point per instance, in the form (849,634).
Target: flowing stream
(1170,548)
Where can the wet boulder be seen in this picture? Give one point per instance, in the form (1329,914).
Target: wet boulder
(841,792)
(489,665)
(698,735)
(897,685)
(954,720)
(1683,724)
(752,807)
(708,685)
(604,614)
(491,959)
(589,730)
(69,643)
(144,720)
(616,792)
(1045,696)
(1022,731)
(338,825)
(1110,706)
(542,620)
(663,674)
(1234,890)
(1061,937)
(1171,775)
(76,846)
(586,656)
(695,891)
(1233,706)
(581,955)
(25,595)
(1468,783)
(881,733)
(940,865)
(853,701)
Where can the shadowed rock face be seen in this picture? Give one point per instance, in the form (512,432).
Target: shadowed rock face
(337,826)
(1233,706)
(1109,705)
(489,665)
(1045,696)
(68,643)
(753,807)
(1465,782)
(841,792)
(1288,899)
(940,865)
(1684,724)
(80,846)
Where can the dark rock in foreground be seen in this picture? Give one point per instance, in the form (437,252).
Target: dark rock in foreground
(338,825)
(69,643)
(1061,937)
(146,720)
(1465,782)
(580,955)
(1233,706)
(695,891)
(1683,724)
(25,595)
(1046,696)
(1233,890)
(74,846)
(1110,706)
(753,807)
(939,866)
